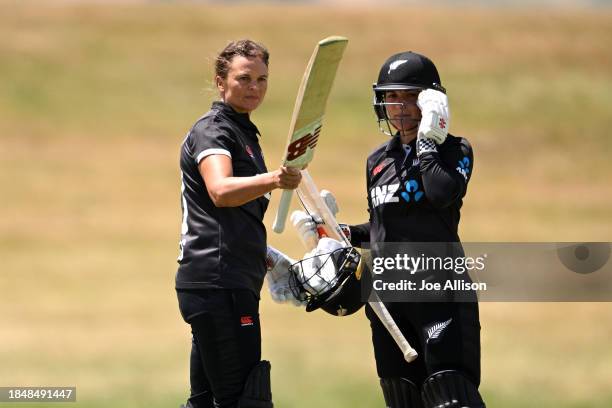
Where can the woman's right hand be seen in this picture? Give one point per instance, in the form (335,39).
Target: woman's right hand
(287,178)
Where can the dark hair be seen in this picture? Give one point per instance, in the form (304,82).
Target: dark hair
(244,48)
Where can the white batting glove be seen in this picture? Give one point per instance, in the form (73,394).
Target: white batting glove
(305,224)
(278,275)
(306,228)
(330,201)
(435,120)
(346,230)
(318,270)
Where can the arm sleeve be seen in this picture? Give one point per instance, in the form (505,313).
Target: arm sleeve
(211,138)
(360,234)
(446,175)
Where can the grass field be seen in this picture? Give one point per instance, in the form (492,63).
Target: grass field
(95,101)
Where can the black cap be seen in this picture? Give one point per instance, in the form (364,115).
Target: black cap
(408,70)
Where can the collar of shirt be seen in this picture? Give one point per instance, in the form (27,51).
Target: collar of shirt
(395,145)
(407,149)
(396,149)
(242,119)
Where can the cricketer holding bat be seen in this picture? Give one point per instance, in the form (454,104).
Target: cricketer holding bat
(416,183)
(222,262)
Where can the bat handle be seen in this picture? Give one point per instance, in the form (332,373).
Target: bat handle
(410,354)
(283,210)
(387,320)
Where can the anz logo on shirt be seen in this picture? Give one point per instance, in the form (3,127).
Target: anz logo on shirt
(387,193)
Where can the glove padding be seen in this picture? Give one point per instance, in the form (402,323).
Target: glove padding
(318,270)
(330,201)
(435,116)
(346,230)
(306,226)
(278,275)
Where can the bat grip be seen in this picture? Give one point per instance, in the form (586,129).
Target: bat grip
(387,320)
(283,210)
(410,355)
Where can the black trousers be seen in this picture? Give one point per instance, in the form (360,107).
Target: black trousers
(446,336)
(226,343)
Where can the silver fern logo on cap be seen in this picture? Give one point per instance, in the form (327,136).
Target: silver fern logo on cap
(395,64)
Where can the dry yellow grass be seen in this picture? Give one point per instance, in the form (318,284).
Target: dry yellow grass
(95,100)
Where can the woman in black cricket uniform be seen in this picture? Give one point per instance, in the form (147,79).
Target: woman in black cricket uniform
(416,183)
(225,193)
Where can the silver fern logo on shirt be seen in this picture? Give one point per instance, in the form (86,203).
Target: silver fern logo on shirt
(435,331)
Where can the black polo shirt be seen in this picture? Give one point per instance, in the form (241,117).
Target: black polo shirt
(221,247)
(415,199)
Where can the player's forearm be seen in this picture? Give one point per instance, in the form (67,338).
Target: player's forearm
(236,191)
(360,234)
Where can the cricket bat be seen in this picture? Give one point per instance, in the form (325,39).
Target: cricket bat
(308,113)
(327,225)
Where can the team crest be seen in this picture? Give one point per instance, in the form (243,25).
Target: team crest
(435,331)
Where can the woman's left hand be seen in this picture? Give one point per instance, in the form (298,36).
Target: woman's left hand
(435,115)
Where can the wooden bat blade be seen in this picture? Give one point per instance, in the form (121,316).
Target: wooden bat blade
(308,113)
(311,101)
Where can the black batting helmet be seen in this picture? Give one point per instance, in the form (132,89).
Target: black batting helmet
(340,295)
(404,71)
(348,299)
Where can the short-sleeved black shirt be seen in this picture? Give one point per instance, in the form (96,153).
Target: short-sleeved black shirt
(221,247)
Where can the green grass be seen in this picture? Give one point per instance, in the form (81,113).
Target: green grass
(95,101)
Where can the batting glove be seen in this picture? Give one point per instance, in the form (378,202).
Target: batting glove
(435,120)
(278,276)
(330,201)
(346,230)
(318,270)
(306,228)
